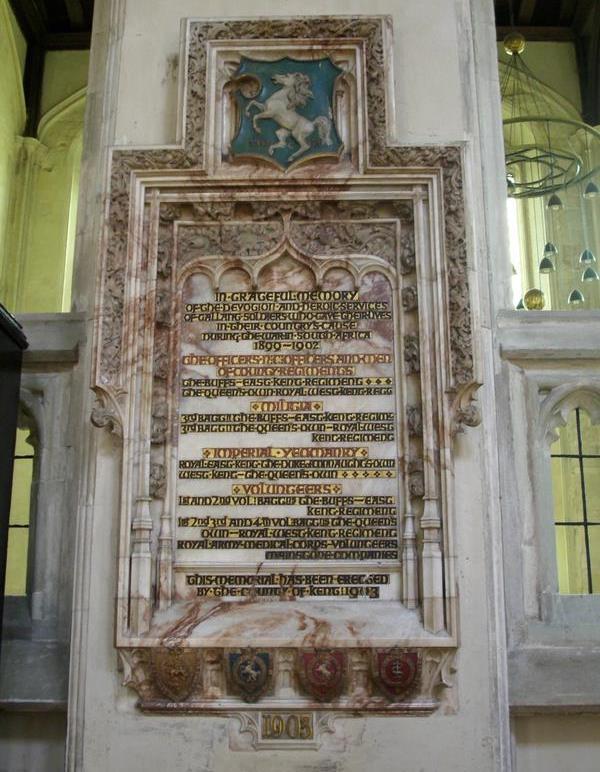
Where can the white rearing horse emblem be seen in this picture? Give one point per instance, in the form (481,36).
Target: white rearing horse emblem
(280,107)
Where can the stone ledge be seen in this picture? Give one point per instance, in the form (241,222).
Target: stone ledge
(548,335)
(34,675)
(53,338)
(544,679)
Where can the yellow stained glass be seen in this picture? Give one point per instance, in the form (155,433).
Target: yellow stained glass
(575,480)
(20,506)
(571,558)
(16,562)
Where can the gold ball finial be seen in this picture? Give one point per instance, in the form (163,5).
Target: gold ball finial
(514,43)
(534,300)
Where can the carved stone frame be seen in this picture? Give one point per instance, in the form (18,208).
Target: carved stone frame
(152,192)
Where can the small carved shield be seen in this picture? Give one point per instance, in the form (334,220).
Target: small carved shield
(249,673)
(396,671)
(322,673)
(174,672)
(286,110)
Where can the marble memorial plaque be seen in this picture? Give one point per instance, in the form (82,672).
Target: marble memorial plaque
(287,458)
(284,356)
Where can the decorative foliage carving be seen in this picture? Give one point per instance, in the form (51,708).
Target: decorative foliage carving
(346,238)
(163,308)
(410,298)
(159,423)
(416,480)
(438,671)
(414,420)
(412,363)
(239,239)
(137,674)
(161,361)
(158,481)
(408,258)
(465,410)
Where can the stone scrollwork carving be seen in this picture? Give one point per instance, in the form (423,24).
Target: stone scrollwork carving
(105,415)
(136,668)
(465,410)
(438,671)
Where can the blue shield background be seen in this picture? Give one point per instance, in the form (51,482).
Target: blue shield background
(322,74)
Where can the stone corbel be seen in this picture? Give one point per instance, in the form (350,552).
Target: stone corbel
(106,413)
(464,409)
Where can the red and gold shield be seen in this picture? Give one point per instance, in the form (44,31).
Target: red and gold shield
(396,671)
(322,673)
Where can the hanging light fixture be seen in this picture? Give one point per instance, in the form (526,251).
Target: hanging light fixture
(590,274)
(587,257)
(544,153)
(555,203)
(548,149)
(546,265)
(575,298)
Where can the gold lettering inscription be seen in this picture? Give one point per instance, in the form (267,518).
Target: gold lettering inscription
(281,503)
(287,726)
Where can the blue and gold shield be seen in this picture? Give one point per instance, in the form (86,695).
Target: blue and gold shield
(286,110)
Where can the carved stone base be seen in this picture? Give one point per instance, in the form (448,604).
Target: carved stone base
(187,680)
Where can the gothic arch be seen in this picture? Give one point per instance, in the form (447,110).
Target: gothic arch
(559,402)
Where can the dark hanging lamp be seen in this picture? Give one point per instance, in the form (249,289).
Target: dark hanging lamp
(575,298)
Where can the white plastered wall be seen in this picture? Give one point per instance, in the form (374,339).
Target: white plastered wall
(441,97)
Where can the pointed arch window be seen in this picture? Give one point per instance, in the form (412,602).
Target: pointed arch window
(575,458)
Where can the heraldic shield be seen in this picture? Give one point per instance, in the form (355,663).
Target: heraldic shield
(286,110)
(175,672)
(249,673)
(322,673)
(396,671)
